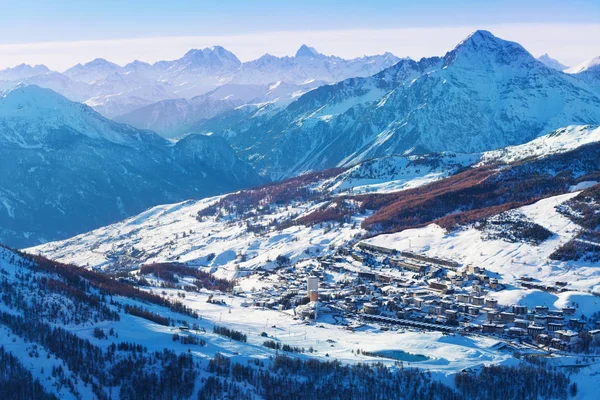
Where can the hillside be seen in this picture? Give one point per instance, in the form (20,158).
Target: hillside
(515,214)
(315,214)
(66,169)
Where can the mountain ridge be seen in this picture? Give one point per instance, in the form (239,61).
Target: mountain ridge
(486,93)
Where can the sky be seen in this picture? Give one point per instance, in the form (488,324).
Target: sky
(61,33)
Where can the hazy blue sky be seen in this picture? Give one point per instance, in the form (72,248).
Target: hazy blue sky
(62,32)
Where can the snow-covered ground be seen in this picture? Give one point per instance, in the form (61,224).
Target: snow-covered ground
(559,141)
(395,173)
(172,233)
(447,353)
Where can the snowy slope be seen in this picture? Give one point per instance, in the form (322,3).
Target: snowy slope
(235,242)
(394,173)
(228,236)
(592,64)
(172,232)
(50,345)
(509,260)
(560,141)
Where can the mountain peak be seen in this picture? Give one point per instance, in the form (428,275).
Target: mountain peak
(306,51)
(590,65)
(215,56)
(21,90)
(481,38)
(137,64)
(483,45)
(22,71)
(24,100)
(551,62)
(97,62)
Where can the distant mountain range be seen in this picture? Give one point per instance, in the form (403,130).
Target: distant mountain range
(114,90)
(486,93)
(66,169)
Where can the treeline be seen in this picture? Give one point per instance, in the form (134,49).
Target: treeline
(147,314)
(584,209)
(523,382)
(252,202)
(36,297)
(584,246)
(230,333)
(296,379)
(292,378)
(471,195)
(271,344)
(513,227)
(128,367)
(168,272)
(338,210)
(479,193)
(82,278)
(17,383)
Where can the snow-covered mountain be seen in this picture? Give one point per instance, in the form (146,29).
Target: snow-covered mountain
(588,72)
(552,62)
(519,214)
(22,71)
(592,64)
(67,169)
(122,92)
(252,82)
(308,64)
(486,93)
(92,71)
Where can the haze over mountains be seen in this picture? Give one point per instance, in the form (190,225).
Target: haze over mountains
(115,90)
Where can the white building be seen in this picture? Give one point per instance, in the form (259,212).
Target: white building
(312,284)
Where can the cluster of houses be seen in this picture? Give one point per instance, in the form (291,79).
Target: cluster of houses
(379,284)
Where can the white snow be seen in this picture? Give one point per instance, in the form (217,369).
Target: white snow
(584,66)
